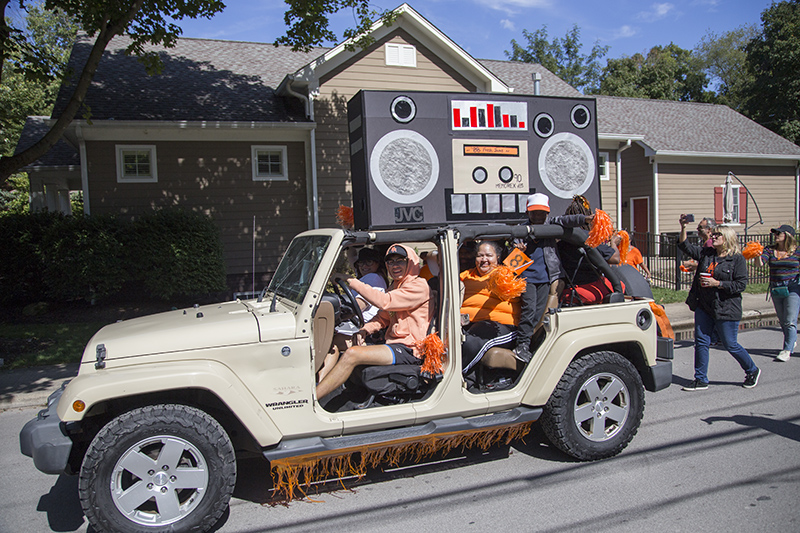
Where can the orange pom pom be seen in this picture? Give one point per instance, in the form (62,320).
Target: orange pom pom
(505,284)
(752,250)
(601,230)
(432,350)
(624,246)
(344,216)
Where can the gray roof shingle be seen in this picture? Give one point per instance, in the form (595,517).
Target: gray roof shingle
(689,127)
(62,154)
(206,79)
(202,79)
(520,76)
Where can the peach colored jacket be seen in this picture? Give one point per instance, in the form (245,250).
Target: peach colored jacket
(405,310)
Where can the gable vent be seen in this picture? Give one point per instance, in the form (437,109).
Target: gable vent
(401,55)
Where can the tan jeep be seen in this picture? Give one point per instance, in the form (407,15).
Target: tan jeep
(163,404)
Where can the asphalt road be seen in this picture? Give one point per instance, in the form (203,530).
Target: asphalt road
(725,459)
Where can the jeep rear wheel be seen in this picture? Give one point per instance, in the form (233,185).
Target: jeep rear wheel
(596,408)
(158,468)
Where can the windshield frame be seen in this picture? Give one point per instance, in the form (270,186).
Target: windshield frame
(298,267)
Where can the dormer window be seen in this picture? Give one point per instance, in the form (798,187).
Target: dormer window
(401,55)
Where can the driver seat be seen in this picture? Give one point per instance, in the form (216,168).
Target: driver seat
(396,383)
(323,326)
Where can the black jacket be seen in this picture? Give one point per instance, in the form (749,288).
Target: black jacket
(723,302)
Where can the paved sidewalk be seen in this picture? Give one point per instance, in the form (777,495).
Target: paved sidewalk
(31,387)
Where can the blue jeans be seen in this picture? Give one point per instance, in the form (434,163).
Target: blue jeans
(704,325)
(787,309)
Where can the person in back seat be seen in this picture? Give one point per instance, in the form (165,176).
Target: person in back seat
(405,313)
(492,321)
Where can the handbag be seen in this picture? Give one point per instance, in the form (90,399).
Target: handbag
(780,291)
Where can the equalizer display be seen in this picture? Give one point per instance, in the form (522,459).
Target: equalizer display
(471,115)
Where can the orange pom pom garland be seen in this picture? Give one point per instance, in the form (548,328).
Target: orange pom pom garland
(752,250)
(344,216)
(601,229)
(505,284)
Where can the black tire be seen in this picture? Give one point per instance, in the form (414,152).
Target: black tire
(596,408)
(185,472)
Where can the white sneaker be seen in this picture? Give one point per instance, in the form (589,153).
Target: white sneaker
(783,356)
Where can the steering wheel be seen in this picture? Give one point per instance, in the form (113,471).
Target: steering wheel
(344,293)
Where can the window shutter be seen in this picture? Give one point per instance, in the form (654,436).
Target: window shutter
(392,54)
(408,56)
(718,208)
(742,205)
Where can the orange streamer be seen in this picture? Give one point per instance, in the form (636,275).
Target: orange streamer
(752,250)
(505,284)
(432,350)
(662,320)
(601,229)
(624,247)
(344,216)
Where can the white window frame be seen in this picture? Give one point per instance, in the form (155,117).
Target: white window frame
(604,166)
(400,55)
(256,149)
(120,151)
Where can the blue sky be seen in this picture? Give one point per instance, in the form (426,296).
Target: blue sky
(484,28)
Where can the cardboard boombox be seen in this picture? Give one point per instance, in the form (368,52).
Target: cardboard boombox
(426,158)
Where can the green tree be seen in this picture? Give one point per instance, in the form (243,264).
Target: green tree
(144,21)
(52,33)
(773,57)
(561,56)
(667,73)
(724,60)
(308,25)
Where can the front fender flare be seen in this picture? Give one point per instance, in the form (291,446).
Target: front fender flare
(95,387)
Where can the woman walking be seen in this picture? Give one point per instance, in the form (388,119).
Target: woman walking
(783,258)
(716,299)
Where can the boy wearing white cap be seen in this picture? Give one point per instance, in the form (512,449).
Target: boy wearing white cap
(545,269)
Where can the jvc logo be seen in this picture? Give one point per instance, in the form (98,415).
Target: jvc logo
(408,214)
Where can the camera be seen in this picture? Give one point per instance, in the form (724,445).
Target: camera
(690,218)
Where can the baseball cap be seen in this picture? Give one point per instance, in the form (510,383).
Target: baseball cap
(396,249)
(786,228)
(538,202)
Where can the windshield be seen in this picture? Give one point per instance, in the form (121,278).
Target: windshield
(298,267)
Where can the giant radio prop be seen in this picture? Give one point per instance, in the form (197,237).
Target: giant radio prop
(425,158)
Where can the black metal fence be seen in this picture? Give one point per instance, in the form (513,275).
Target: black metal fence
(663,259)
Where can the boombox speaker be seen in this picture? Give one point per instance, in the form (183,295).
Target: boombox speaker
(426,159)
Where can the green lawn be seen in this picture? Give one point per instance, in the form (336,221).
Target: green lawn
(24,345)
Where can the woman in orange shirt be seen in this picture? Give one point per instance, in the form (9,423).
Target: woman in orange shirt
(492,321)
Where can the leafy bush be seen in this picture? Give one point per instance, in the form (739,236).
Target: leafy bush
(83,257)
(176,252)
(22,267)
(49,256)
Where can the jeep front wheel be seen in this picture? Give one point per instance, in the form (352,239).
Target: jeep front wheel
(596,408)
(158,468)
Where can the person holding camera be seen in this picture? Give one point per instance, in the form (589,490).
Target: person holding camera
(716,299)
(783,258)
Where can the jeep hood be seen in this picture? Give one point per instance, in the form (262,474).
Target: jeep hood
(180,330)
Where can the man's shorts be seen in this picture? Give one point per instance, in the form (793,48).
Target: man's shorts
(403,355)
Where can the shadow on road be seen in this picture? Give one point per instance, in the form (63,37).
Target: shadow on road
(62,505)
(782,428)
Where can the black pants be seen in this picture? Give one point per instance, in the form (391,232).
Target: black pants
(532,304)
(482,335)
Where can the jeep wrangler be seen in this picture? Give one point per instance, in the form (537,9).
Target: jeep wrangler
(163,405)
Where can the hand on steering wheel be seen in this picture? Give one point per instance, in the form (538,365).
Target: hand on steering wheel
(343,292)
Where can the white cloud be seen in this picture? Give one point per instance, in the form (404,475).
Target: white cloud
(507,24)
(514,6)
(624,31)
(657,11)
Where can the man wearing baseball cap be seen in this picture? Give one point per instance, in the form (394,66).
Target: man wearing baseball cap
(405,313)
(545,269)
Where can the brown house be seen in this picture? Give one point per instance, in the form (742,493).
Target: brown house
(257,137)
